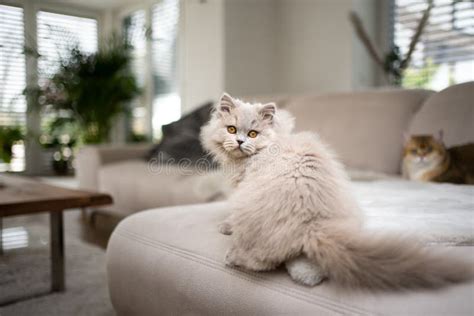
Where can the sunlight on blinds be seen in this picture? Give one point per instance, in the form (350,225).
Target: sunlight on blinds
(445,54)
(12,66)
(57,35)
(135,31)
(166,103)
(134,27)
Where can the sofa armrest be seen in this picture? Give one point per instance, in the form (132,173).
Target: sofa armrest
(91,158)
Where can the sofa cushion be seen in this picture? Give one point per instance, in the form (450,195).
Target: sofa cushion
(169,261)
(92,157)
(137,185)
(451,110)
(365,128)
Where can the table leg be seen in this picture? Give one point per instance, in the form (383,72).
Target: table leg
(57,251)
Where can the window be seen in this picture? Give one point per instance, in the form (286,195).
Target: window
(445,53)
(57,34)
(134,28)
(166,102)
(12,82)
(156,44)
(12,67)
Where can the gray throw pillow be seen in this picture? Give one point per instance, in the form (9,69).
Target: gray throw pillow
(181,139)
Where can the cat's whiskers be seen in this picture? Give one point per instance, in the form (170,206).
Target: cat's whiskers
(229,145)
(248,149)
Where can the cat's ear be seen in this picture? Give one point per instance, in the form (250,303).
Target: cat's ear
(267,111)
(226,103)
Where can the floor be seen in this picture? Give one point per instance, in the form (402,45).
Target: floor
(27,238)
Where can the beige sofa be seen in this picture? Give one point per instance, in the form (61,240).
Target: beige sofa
(169,261)
(365,128)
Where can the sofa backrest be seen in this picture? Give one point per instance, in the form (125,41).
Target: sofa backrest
(365,128)
(451,110)
(280,100)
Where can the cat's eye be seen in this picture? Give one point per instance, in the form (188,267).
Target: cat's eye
(231,129)
(252,134)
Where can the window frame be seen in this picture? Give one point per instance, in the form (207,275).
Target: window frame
(148,95)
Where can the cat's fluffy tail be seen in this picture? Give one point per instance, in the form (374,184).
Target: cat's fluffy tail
(352,259)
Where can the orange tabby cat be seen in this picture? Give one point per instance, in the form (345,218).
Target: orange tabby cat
(425,158)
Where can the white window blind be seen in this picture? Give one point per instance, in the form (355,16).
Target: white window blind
(135,30)
(57,34)
(134,27)
(12,66)
(166,103)
(445,53)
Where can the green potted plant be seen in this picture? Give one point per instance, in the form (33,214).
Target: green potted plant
(9,135)
(81,101)
(90,90)
(60,139)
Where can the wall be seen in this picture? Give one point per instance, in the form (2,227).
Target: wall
(202,52)
(314,46)
(376,17)
(364,70)
(297,46)
(384,32)
(250,47)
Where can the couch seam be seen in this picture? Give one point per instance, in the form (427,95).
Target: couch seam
(218,265)
(211,263)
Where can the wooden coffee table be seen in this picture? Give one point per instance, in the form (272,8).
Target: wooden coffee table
(23,196)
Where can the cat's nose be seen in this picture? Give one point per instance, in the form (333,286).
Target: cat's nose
(240,142)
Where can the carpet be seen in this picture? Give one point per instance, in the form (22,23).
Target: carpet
(26,273)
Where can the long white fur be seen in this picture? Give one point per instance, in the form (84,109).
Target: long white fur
(292,204)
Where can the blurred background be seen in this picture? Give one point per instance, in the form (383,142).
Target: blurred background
(115,71)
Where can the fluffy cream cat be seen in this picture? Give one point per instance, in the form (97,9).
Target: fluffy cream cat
(292,205)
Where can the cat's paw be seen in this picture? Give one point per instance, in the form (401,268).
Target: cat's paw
(307,279)
(230,259)
(225,228)
(237,258)
(304,272)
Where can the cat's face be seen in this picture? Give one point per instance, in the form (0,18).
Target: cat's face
(424,150)
(238,129)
